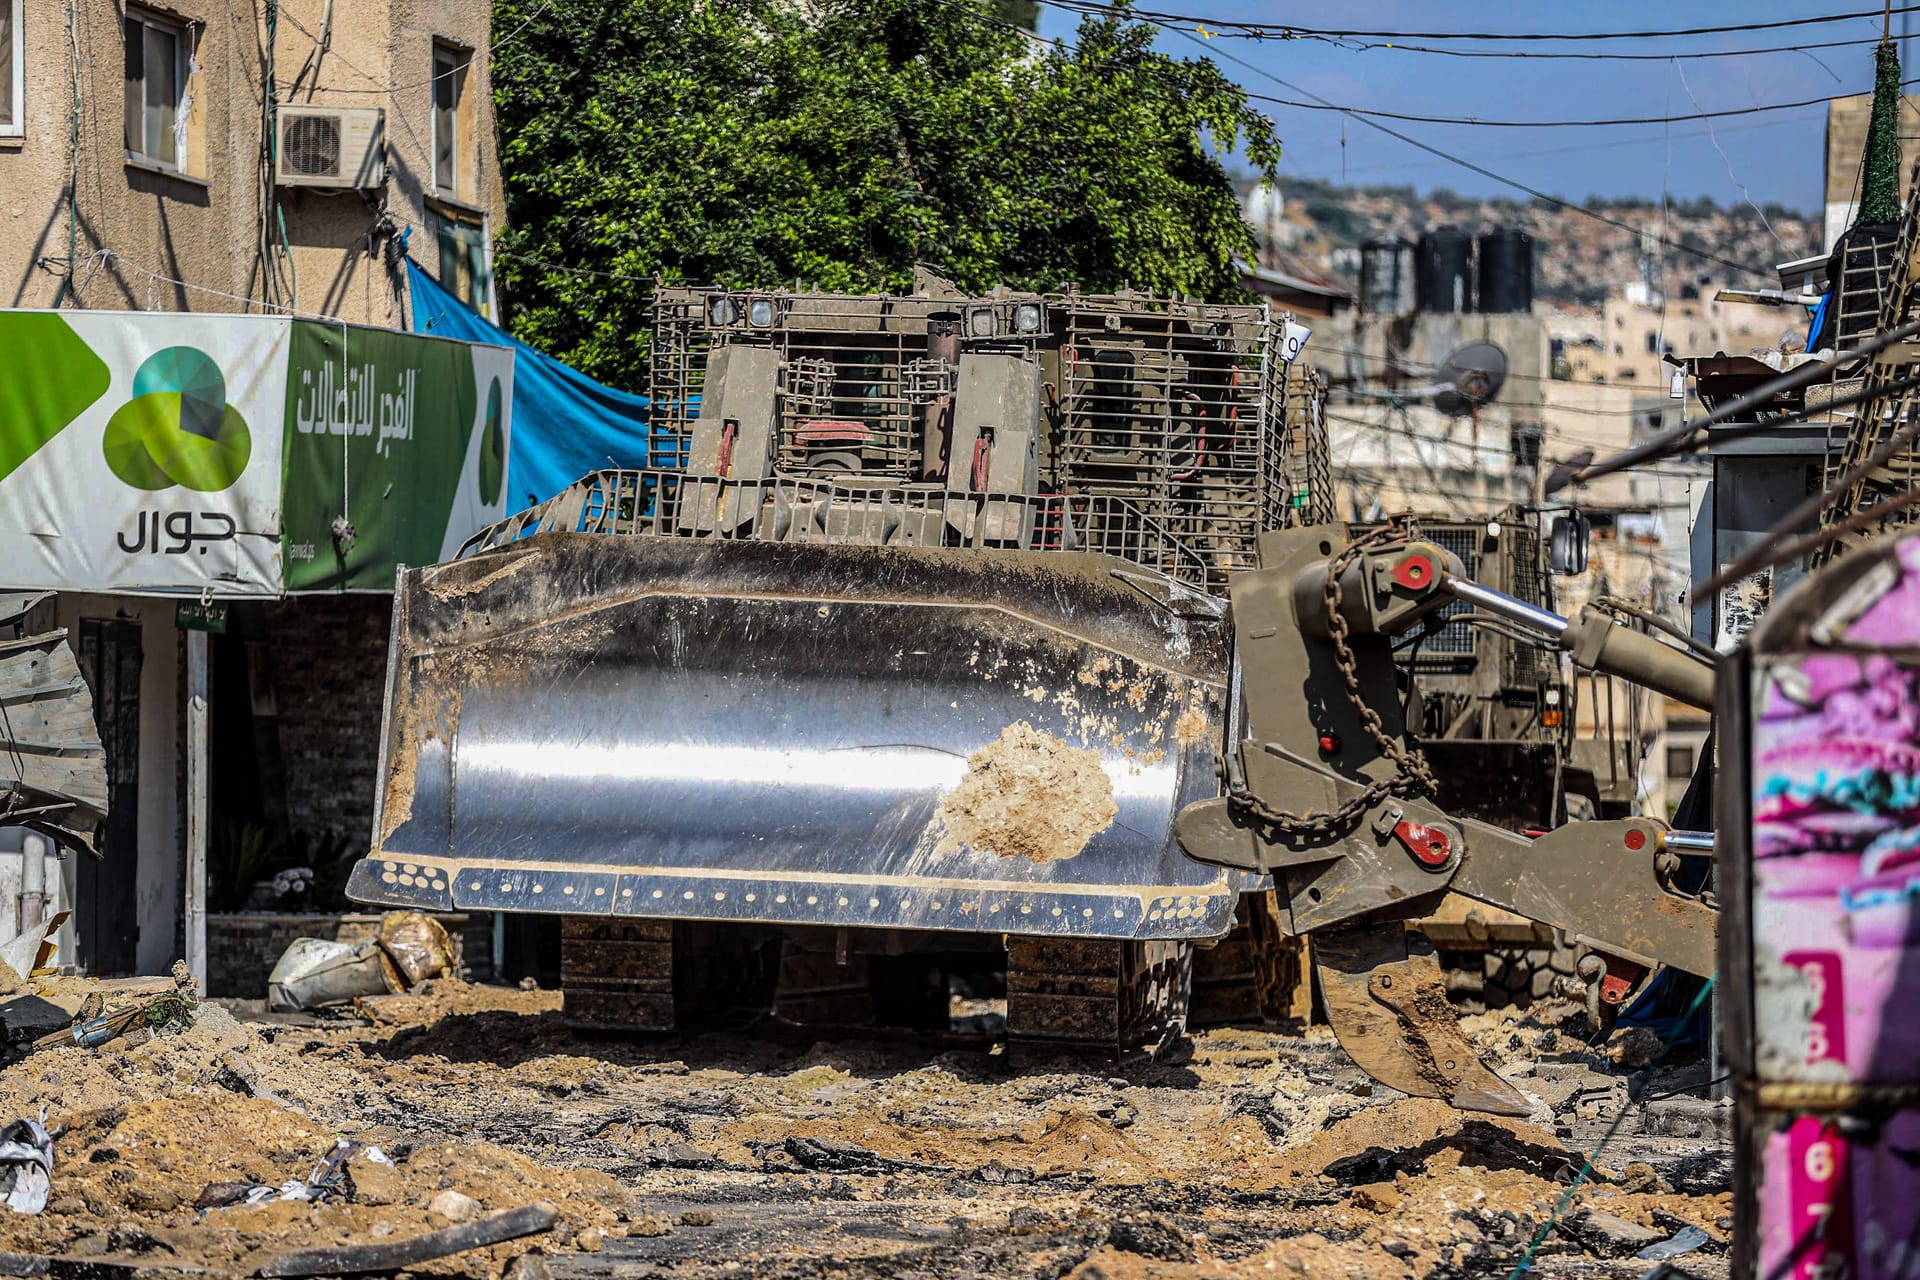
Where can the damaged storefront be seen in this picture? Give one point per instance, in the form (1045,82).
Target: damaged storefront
(213,509)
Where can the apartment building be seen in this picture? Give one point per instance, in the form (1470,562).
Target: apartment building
(203,156)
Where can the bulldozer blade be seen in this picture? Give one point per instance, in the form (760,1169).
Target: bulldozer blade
(1391,1014)
(703,729)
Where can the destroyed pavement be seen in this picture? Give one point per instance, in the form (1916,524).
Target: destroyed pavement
(768,1152)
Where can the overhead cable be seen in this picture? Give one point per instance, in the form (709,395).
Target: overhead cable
(1677,439)
(1481,122)
(1287,30)
(1570,55)
(1705,255)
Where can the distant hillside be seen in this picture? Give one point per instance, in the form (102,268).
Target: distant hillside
(1579,259)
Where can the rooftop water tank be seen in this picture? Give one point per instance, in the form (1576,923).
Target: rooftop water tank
(1506,270)
(1386,276)
(1443,271)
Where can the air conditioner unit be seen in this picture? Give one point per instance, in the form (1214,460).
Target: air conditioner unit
(339,147)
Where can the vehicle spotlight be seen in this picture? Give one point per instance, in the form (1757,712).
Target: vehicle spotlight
(1026,318)
(760,313)
(722,311)
(982,323)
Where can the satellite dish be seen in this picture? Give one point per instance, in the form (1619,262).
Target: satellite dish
(1470,378)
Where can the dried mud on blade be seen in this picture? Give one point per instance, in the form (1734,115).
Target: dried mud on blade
(753,731)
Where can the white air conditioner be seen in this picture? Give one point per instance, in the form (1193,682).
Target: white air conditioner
(339,147)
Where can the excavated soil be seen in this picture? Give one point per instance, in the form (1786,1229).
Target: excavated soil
(1027,794)
(766,1152)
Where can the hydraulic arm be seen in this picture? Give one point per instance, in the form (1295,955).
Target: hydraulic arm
(1325,791)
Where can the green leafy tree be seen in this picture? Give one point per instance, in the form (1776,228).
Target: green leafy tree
(838,143)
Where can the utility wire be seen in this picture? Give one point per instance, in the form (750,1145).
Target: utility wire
(1130,14)
(1682,246)
(1678,439)
(1291,31)
(1321,104)
(1584,147)
(1367,46)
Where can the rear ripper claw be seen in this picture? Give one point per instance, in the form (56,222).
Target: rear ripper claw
(1391,1014)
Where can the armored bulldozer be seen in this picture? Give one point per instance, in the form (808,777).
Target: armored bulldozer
(704,625)
(1013,624)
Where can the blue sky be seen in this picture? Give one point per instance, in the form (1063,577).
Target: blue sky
(1778,156)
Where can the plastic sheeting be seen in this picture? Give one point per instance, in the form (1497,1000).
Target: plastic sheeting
(564,423)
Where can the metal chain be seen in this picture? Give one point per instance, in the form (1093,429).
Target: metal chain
(1412,775)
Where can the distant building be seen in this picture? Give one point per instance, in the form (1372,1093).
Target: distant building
(1637,328)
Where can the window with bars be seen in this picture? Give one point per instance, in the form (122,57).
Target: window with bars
(157,56)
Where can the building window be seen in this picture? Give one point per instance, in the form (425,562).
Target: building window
(13,68)
(1680,762)
(158,56)
(449,109)
(464,270)
(1525,441)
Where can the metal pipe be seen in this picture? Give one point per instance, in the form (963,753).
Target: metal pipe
(1598,645)
(1690,841)
(196,887)
(33,881)
(1500,604)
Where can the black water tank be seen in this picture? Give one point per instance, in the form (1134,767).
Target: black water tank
(1386,276)
(1443,271)
(1506,270)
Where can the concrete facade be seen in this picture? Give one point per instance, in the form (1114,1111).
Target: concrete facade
(208,232)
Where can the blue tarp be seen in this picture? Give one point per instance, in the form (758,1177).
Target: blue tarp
(564,423)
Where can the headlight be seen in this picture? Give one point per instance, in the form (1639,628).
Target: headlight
(722,311)
(981,323)
(1026,318)
(1553,697)
(760,313)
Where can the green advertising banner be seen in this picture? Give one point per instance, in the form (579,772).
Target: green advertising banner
(395,450)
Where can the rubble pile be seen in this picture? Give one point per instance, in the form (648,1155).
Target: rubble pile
(235,1144)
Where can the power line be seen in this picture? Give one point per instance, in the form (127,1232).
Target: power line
(1321,104)
(1570,55)
(1683,437)
(1291,31)
(1593,146)
(1706,255)
(460,69)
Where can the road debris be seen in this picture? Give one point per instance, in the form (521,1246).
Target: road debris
(1685,1240)
(410,948)
(939,1158)
(111,1012)
(453,1206)
(357,1259)
(26,1165)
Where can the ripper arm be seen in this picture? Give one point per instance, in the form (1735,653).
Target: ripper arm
(1325,791)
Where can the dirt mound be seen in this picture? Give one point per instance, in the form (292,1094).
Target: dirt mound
(1405,1135)
(1029,795)
(140,1167)
(440,998)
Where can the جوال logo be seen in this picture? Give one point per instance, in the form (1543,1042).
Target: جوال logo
(178,428)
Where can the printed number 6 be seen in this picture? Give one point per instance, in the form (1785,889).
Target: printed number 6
(1819,1162)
